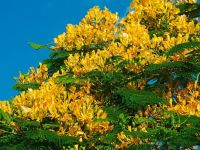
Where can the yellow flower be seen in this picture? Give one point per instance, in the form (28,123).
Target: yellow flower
(126,141)
(6,107)
(192,108)
(97,27)
(39,76)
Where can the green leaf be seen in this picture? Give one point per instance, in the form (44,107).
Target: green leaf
(66,79)
(50,126)
(158,33)
(186,6)
(37,46)
(191,10)
(26,86)
(60,54)
(5,116)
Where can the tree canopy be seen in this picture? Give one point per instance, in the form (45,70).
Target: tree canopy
(113,83)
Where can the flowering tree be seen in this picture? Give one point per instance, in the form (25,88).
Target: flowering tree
(113,83)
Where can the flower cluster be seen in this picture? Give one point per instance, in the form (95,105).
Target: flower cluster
(80,63)
(6,107)
(126,141)
(34,76)
(97,27)
(190,108)
(73,110)
(153,13)
(135,43)
(188,100)
(182,25)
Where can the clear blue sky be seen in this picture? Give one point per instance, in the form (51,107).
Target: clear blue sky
(38,21)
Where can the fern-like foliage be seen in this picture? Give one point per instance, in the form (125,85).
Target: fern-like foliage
(43,136)
(169,68)
(106,83)
(26,86)
(56,60)
(138,100)
(37,139)
(192,10)
(33,135)
(141,147)
(181,47)
(185,131)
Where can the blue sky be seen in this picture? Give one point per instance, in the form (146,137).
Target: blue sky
(38,21)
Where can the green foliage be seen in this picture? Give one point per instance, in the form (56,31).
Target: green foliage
(157,33)
(117,114)
(42,136)
(105,83)
(26,86)
(68,80)
(181,47)
(168,67)
(141,147)
(37,139)
(138,100)
(192,10)
(56,60)
(25,124)
(34,135)
(5,116)
(185,132)
(186,6)
(168,133)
